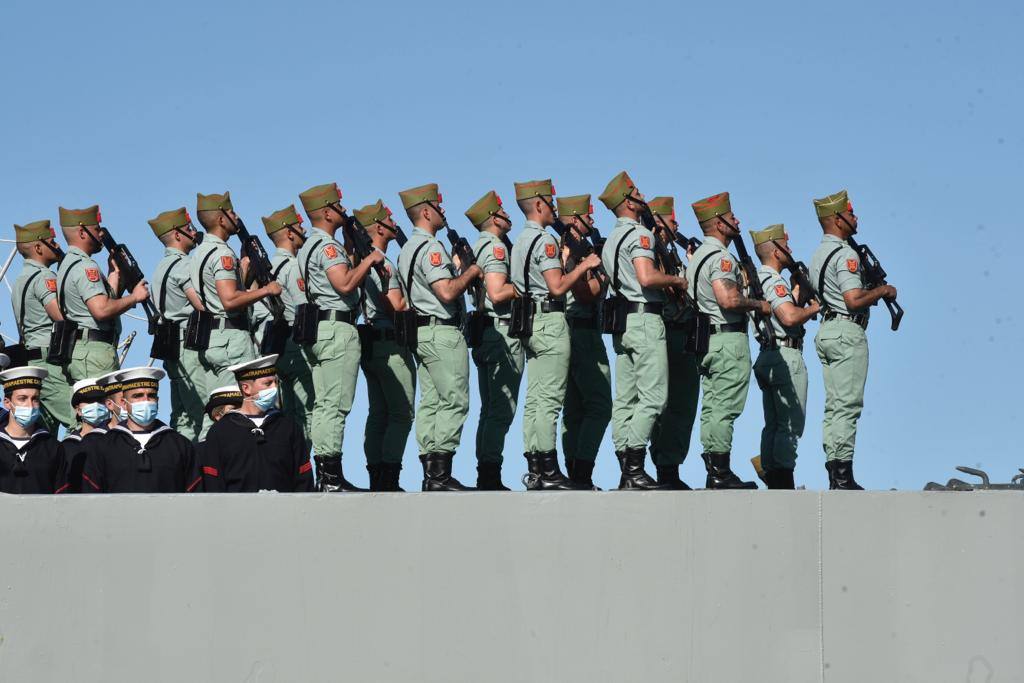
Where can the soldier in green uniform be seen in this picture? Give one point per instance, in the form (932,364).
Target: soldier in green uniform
(779,368)
(34,298)
(538,276)
(87,298)
(284,228)
(331,282)
(175,299)
(435,292)
(841,342)
(641,361)
(588,392)
(725,367)
(670,441)
(217,279)
(388,367)
(498,357)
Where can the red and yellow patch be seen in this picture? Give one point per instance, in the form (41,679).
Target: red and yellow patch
(550,250)
(645,242)
(435,258)
(726,265)
(331,251)
(499,253)
(51,285)
(92,274)
(227,262)
(780,290)
(852,265)
(301,283)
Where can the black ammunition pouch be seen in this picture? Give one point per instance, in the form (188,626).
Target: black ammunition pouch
(62,342)
(275,337)
(613,314)
(197,330)
(476,322)
(406,328)
(699,337)
(166,341)
(307,319)
(520,325)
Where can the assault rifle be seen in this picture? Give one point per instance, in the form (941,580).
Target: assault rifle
(874,276)
(260,268)
(362,245)
(665,253)
(800,277)
(460,247)
(579,248)
(131,274)
(762,327)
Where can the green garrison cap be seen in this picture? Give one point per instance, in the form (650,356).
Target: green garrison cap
(279,220)
(619,187)
(576,205)
(169,220)
(484,208)
(213,202)
(535,188)
(70,218)
(663,206)
(30,232)
(772,232)
(319,196)
(833,204)
(373,213)
(417,195)
(712,207)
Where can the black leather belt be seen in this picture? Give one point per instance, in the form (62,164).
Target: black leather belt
(547,306)
(857,319)
(582,323)
(382,334)
(33,354)
(229,324)
(741,326)
(494,322)
(338,316)
(788,342)
(686,326)
(95,335)
(424,320)
(636,307)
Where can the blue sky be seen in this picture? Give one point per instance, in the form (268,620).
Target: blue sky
(913,107)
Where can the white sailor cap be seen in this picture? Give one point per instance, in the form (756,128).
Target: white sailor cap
(111,382)
(254,369)
(230,395)
(88,390)
(25,377)
(141,378)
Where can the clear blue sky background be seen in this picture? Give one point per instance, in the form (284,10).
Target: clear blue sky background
(915,107)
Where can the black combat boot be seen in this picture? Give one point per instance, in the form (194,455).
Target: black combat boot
(330,478)
(720,476)
(376,477)
(570,466)
(390,472)
(544,474)
(488,477)
(437,473)
(668,476)
(582,474)
(779,479)
(631,461)
(840,476)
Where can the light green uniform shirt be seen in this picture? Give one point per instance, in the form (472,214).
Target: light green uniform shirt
(493,256)
(284,266)
(843,273)
(544,256)
(84,281)
(777,293)
(718,264)
(374,311)
(175,265)
(323,252)
(221,264)
(432,264)
(637,242)
(35,326)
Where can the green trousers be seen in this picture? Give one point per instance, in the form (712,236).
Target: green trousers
(443,374)
(499,372)
(547,373)
(782,376)
(588,395)
(670,441)
(91,359)
(295,378)
(726,379)
(55,397)
(334,361)
(227,348)
(188,392)
(843,350)
(391,387)
(641,364)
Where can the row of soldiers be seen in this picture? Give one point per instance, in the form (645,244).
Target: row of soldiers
(540,306)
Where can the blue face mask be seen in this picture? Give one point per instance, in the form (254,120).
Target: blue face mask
(122,414)
(143,412)
(266,399)
(95,414)
(26,416)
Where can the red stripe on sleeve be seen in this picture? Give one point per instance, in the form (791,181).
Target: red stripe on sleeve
(306,467)
(62,488)
(85,477)
(193,485)
(212,471)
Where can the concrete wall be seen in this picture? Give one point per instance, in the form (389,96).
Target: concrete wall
(720,586)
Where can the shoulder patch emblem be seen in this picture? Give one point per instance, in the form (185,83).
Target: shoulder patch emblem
(852,265)
(301,283)
(645,242)
(435,258)
(92,274)
(227,262)
(499,253)
(51,285)
(331,251)
(780,290)
(550,250)
(726,265)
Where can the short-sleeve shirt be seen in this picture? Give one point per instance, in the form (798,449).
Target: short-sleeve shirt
(777,292)
(284,268)
(84,281)
(377,288)
(322,252)
(432,264)
(221,264)
(175,266)
(544,256)
(637,242)
(843,273)
(37,284)
(493,256)
(715,263)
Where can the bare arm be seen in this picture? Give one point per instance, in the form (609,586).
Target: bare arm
(102,307)
(651,278)
(235,299)
(587,290)
(862,298)
(729,297)
(559,283)
(53,310)
(450,289)
(346,280)
(194,299)
(395,299)
(499,289)
(791,315)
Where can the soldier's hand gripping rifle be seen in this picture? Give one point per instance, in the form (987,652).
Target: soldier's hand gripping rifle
(260,268)
(362,245)
(875,276)
(800,277)
(665,254)
(131,274)
(460,247)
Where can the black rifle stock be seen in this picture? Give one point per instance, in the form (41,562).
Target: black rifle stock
(875,276)
(259,266)
(762,327)
(131,274)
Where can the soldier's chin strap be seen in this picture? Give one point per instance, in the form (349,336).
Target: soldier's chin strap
(437,208)
(197,239)
(851,226)
(55,248)
(292,230)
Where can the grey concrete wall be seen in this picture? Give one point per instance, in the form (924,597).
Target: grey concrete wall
(721,586)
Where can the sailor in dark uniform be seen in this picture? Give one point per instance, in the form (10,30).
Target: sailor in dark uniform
(256,447)
(111,383)
(221,400)
(88,400)
(30,458)
(142,455)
